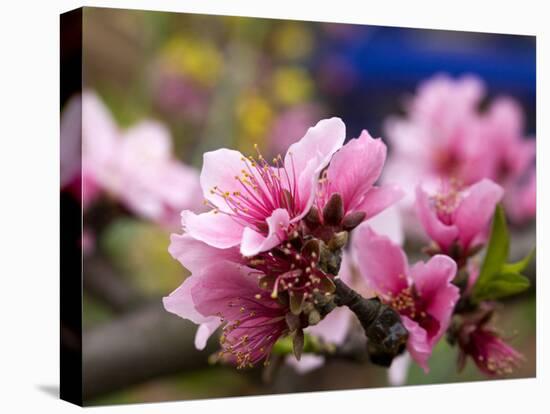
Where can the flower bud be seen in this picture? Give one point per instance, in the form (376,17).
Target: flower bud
(352,220)
(333,213)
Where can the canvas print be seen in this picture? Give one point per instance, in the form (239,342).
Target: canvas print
(258,206)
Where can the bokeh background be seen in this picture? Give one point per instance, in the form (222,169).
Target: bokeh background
(218,81)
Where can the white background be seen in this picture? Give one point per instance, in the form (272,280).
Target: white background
(29,207)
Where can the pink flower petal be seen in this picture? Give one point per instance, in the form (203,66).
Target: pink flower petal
(378,199)
(205,331)
(505,115)
(476,209)
(334,327)
(432,281)
(444,235)
(184,303)
(147,139)
(388,223)
(399,369)
(381,263)
(100,134)
(216,229)
(180,301)
(417,345)
(355,167)
(254,242)
(521,199)
(307,363)
(346,268)
(194,255)
(306,158)
(219,170)
(220,286)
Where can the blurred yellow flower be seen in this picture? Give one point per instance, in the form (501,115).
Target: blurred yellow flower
(292,40)
(254,115)
(292,85)
(197,58)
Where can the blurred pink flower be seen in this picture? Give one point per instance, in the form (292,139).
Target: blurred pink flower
(523,204)
(458,218)
(423,294)
(513,157)
(254,203)
(292,123)
(180,96)
(445,136)
(135,166)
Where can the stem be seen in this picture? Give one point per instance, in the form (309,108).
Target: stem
(366,310)
(383,328)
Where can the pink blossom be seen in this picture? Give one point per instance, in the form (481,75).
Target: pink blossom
(503,127)
(254,203)
(222,290)
(458,217)
(441,135)
(445,136)
(352,173)
(152,183)
(282,280)
(492,355)
(135,166)
(423,294)
(227,293)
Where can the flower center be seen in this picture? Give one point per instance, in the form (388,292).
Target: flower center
(263,189)
(292,269)
(249,338)
(447,200)
(492,354)
(409,303)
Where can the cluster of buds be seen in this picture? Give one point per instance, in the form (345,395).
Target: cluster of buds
(302,275)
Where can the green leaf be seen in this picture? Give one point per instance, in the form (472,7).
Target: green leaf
(498,279)
(519,266)
(501,285)
(497,249)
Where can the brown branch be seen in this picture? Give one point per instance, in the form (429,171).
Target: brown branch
(139,346)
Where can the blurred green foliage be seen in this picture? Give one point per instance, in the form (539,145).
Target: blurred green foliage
(140,251)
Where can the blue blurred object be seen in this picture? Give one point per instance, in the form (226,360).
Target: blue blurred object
(366,71)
